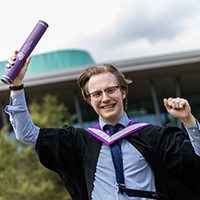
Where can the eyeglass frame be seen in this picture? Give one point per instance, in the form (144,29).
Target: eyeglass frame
(101,91)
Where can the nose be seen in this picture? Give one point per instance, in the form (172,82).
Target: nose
(105,97)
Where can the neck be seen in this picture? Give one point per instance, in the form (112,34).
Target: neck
(124,120)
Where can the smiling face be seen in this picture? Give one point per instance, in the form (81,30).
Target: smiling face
(109,108)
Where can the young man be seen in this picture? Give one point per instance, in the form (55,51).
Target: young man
(161,159)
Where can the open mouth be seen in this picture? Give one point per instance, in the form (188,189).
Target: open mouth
(109,106)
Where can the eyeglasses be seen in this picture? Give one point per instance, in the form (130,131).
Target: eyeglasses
(98,94)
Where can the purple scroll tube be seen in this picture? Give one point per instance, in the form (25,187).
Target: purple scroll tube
(24,52)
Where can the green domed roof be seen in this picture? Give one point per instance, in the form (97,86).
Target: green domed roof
(55,60)
(58,60)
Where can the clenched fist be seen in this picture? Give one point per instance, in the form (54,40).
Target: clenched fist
(180,108)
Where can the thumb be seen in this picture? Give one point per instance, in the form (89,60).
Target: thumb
(27,63)
(165,102)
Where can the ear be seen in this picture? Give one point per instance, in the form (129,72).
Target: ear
(123,94)
(89,102)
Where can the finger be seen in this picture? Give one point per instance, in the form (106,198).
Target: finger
(10,61)
(180,103)
(172,102)
(169,102)
(13,57)
(165,102)
(177,103)
(183,103)
(28,60)
(27,63)
(7,66)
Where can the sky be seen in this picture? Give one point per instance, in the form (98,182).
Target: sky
(109,30)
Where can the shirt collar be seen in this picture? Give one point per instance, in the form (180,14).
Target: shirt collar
(123,121)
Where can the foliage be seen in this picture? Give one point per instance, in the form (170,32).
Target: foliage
(22,177)
(50,113)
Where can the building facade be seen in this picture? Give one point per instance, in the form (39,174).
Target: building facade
(154,78)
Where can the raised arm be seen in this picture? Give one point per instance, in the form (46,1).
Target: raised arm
(19,78)
(180,108)
(20,119)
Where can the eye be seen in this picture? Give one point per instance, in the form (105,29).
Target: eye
(96,94)
(110,90)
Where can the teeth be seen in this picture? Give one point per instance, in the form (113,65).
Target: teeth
(108,106)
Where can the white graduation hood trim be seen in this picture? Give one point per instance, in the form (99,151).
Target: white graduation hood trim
(110,138)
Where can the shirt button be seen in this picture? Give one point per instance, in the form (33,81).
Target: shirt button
(194,130)
(15,99)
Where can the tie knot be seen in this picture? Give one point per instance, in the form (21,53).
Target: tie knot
(112,129)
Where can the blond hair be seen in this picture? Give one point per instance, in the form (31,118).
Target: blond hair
(92,70)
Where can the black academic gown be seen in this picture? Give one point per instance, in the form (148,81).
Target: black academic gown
(73,154)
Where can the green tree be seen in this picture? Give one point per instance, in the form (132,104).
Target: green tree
(22,177)
(50,113)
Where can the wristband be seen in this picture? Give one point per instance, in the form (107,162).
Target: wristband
(18,87)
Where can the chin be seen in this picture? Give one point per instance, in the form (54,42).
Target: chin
(108,117)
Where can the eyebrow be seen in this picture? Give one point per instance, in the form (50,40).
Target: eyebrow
(104,89)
